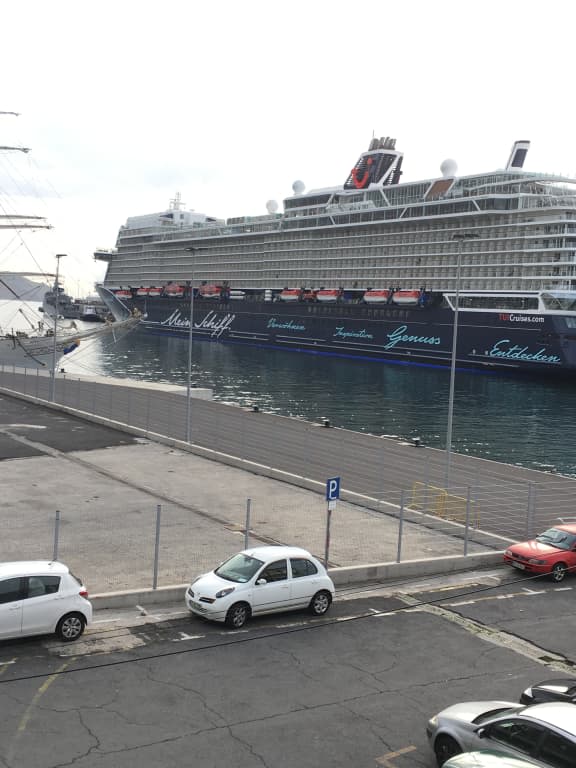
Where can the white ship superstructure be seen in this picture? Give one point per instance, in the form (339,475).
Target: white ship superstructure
(373,232)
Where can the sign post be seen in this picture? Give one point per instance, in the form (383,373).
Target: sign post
(332,496)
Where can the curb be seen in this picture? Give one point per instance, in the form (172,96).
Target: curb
(355,574)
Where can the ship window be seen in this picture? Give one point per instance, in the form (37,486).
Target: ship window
(565,303)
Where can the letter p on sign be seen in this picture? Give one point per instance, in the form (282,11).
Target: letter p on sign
(333,489)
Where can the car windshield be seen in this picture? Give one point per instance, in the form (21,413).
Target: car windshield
(557,538)
(240,568)
(493,713)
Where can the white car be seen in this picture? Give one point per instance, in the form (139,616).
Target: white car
(40,598)
(261,580)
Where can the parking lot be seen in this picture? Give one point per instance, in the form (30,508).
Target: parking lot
(355,687)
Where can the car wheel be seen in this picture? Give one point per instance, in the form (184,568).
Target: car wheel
(237,615)
(558,572)
(320,603)
(70,627)
(444,748)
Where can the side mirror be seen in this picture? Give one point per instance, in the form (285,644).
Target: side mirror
(481,733)
(261,581)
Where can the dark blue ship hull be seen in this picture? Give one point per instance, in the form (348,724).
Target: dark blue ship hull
(541,344)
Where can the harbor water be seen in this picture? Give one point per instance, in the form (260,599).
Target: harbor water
(515,420)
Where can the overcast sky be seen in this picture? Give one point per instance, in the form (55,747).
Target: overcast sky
(124,103)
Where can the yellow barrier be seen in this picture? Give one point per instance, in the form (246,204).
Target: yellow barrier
(437,501)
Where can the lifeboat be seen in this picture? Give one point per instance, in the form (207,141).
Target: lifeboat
(376,297)
(328,294)
(290,294)
(406,298)
(174,290)
(123,294)
(309,295)
(143,292)
(210,291)
(154,291)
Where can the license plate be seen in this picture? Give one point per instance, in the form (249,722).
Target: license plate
(521,566)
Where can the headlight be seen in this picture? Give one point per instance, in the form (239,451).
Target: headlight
(224,592)
(507,553)
(534,561)
(433,722)
(528,693)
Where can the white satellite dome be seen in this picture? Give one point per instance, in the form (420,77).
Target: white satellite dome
(449,168)
(271,206)
(298,187)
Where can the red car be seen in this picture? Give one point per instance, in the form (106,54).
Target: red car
(552,552)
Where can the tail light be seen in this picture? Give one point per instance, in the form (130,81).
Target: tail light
(83,593)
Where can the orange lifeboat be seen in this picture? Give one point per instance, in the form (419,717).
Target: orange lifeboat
(173,289)
(123,294)
(406,298)
(143,292)
(376,296)
(328,294)
(154,291)
(210,291)
(290,294)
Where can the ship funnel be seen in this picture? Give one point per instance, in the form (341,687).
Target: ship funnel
(518,154)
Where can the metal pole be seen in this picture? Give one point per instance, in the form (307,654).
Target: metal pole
(467,530)
(247,528)
(460,237)
(453,369)
(400,528)
(190,339)
(56,535)
(157,546)
(327,545)
(56,287)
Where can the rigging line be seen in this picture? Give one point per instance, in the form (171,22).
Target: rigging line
(268,636)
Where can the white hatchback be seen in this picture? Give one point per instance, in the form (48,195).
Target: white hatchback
(261,580)
(40,598)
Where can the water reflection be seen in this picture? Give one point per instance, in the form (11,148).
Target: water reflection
(512,420)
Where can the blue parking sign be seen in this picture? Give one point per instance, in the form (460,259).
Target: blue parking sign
(333,489)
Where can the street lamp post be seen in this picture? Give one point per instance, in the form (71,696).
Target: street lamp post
(55,339)
(190,340)
(460,237)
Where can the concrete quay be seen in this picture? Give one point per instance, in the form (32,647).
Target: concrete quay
(107,484)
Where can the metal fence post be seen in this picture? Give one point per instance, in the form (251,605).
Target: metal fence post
(400,528)
(157,546)
(56,535)
(247,528)
(529,509)
(467,529)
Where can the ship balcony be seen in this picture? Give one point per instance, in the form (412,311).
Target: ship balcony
(104,254)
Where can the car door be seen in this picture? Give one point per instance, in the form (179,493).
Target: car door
(43,605)
(306,581)
(274,595)
(11,600)
(514,736)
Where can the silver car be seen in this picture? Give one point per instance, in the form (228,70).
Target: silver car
(542,734)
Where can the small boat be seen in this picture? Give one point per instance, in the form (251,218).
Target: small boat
(123,294)
(309,295)
(406,298)
(154,291)
(143,292)
(173,289)
(290,294)
(210,291)
(326,295)
(376,297)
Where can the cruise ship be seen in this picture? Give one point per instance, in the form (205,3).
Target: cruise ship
(477,269)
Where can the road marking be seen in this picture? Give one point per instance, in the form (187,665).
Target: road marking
(29,710)
(184,636)
(385,759)
(534,591)
(4,665)
(562,589)
(464,602)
